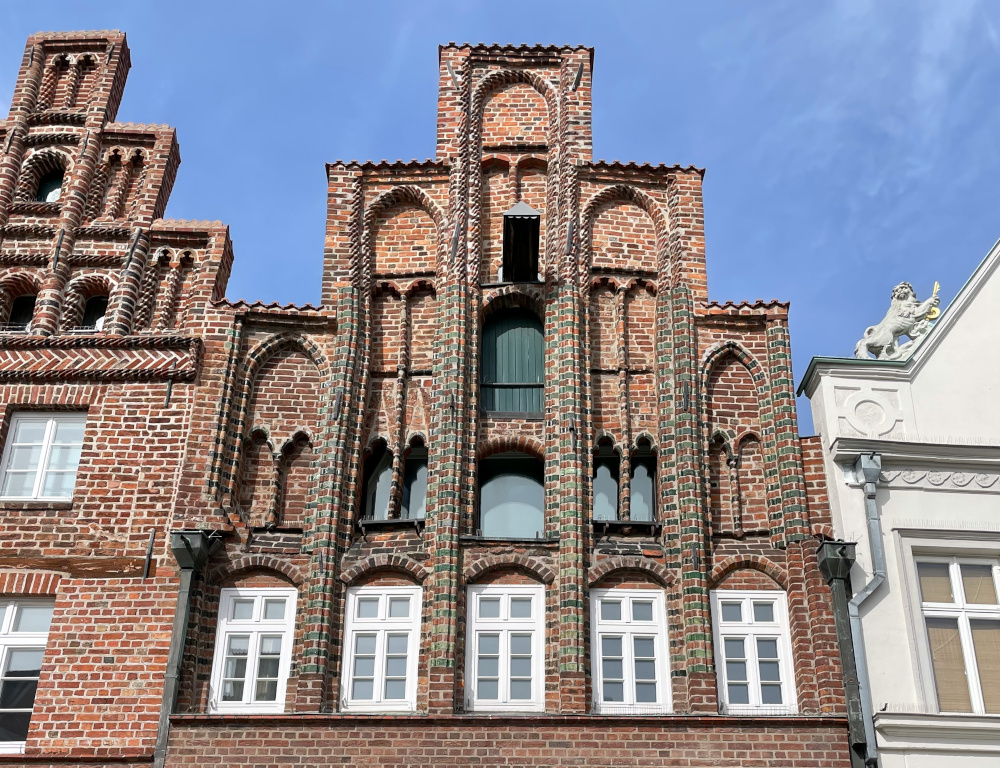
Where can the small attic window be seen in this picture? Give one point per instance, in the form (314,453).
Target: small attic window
(521,225)
(49,187)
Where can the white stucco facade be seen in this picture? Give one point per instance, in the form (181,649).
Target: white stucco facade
(934,420)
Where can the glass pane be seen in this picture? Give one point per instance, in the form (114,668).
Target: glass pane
(270,645)
(935,583)
(614,691)
(489,644)
(367,607)
(734,648)
(949,665)
(14,726)
(769,671)
(642,611)
(489,666)
(30,431)
(399,607)
(395,689)
(274,610)
(611,610)
(64,457)
(267,690)
(488,690)
(18,694)
(489,607)
(767,648)
(396,644)
(395,666)
(69,432)
(763,612)
(377,501)
(645,669)
(267,667)
(18,484)
(236,667)
(739,693)
(239,645)
(415,490)
(612,669)
(25,457)
(520,666)
(643,647)
(732,611)
(520,690)
(364,666)
(977,580)
(611,646)
(520,607)
(33,618)
(641,495)
(645,693)
(736,671)
(364,645)
(605,494)
(58,485)
(242,610)
(511,506)
(770,694)
(232,690)
(520,645)
(986,641)
(363,690)
(24,662)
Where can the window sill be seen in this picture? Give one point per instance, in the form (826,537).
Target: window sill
(743,711)
(525,415)
(372,709)
(395,524)
(627,527)
(9,503)
(630,710)
(12,747)
(552,541)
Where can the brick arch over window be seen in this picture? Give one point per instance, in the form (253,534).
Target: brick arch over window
(79,290)
(518,443)
(395,563)
(38,165)
(620,563)
(512,297)
(498,80)
(749,562)
(627,194)
(16,283)
(363,272)
(530,566)
(234,570)
(33,583)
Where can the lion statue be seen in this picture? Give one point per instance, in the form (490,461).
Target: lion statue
(906,317)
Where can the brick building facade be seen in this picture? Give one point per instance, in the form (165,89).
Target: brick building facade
(516,490)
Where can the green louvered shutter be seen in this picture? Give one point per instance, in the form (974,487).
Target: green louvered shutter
(512,363)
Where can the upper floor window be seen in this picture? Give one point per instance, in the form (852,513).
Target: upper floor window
(42,455)
(961,615)
(521,226)
(382,641)
(505,654)
(642,487)
(49,187)
(511,496)
(753,651)
(414,505)
(24,628)
(377,483)
(253,650)
(22,310)
(93,313)
(629,644)
(606,466)
(512,362)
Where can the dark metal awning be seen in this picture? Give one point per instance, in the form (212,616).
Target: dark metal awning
(522,210)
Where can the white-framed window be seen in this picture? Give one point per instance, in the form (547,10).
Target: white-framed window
(505,664)
(631,661)
(753,658)
(41,455)
(382,646)
(24,629)
(253,650)
(960,607)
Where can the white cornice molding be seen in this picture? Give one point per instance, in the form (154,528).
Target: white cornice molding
(938,733)
(910,454)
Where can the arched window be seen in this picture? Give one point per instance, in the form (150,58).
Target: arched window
(49,187)
(512,362)
(93,313)
(521,226)
(377,483)
(606,466)
(642,496)
(22,309)
(511,496)
(414,504)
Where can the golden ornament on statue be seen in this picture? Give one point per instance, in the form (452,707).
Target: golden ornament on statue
(934,312)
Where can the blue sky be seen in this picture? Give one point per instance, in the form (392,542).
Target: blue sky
(848,145)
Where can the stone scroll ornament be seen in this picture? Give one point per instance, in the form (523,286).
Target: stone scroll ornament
(906,317)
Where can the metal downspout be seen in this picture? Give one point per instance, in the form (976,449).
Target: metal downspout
(867,468)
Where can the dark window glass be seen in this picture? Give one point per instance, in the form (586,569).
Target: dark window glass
(378,481)
(94,312)
(521,226)
(21,311)
(511,496)
(415,484)
(49,187)
(606,483)
(17,691)
(641,488)
(512,363)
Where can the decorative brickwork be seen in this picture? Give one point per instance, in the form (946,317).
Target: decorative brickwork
(255,421)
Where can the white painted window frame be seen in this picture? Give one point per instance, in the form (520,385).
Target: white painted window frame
(10,640)
(628,629)
(51,419)
(505,626)
(381,627)
(255,628)
(752,630)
